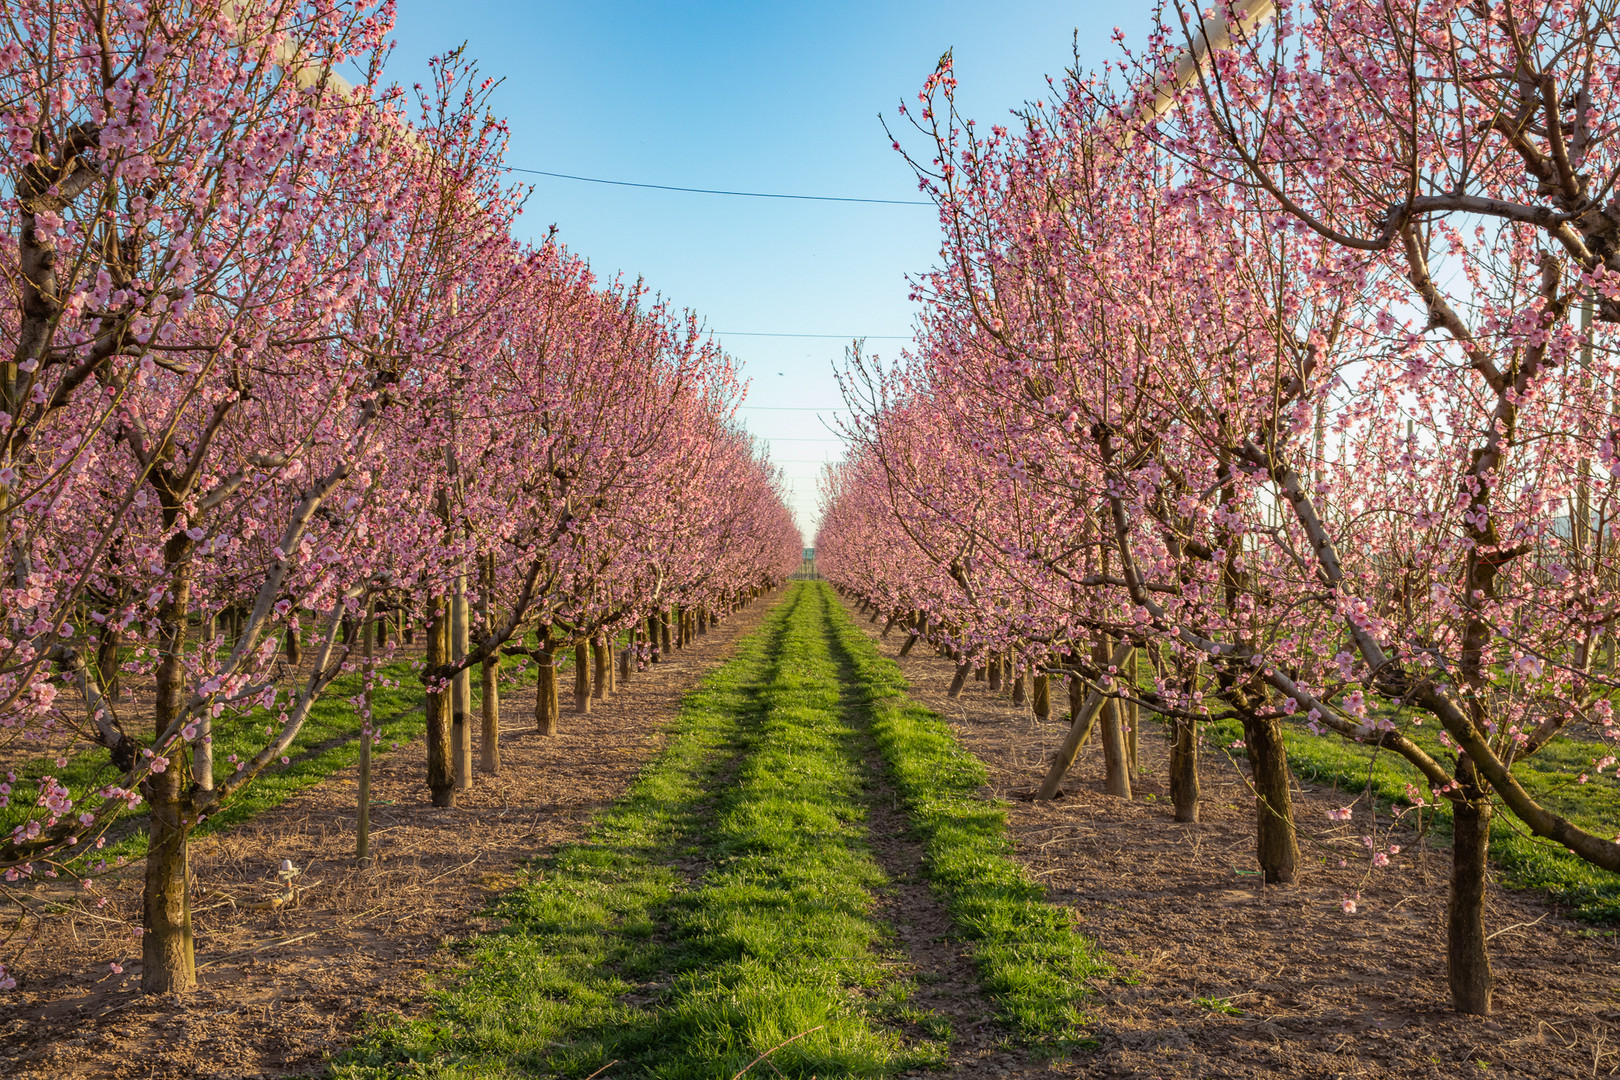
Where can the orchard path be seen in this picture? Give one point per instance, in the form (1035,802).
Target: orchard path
(760,888)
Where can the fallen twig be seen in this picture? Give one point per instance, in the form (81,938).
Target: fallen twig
(256,948)
(772,1050)
(1518,925)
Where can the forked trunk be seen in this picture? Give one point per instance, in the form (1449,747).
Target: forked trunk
(1084,706)
(1275,844)
(1468,963)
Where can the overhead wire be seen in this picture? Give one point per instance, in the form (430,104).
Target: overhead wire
(718,191)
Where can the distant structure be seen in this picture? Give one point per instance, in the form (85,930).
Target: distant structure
(807,567)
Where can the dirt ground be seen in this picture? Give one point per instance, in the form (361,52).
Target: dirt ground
(282,990)
(1218,975)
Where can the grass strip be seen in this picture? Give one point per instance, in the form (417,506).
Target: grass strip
(718,909)
(1031,960)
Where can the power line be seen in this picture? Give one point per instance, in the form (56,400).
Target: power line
(839,337)
(717,191)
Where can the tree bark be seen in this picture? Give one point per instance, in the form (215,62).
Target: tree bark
(362,823)
(168,950)
(490,743)
(1042,696)
(1468,963)
(599,664)
(626,656)
(653,652)
(107,665)
(1133,719)
(1184,767)
(441,766)
(461,687)
(1018,692)
(582,677)
(1117,779)
(994,667)
(545,686)
(293,646)
(1276,846)
(960,679)
(663,631)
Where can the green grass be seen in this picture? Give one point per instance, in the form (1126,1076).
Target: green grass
(720,908)
(1031,960)
(1581,890)
(328,742)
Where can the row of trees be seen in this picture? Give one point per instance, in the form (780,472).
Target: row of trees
(276,353)
(1283,353)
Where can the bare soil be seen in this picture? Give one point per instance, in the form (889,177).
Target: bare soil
(283,990)
(1218,975)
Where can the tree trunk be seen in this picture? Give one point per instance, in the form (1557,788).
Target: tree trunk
(168,951)
(1117,779)
(441,766)
(362,823)
(582,677)
(1468,964)
(703,620)
(960,680)
(1041,697)
(653,652)
(626,651)
(663,631)
(1083,709)
(599,664)
(1133,720)
(1184,767)
(994,668)
(1276,846)
(461,686)
(1018,693)
(889,625)
(490,742)
(107,665)
(545,686)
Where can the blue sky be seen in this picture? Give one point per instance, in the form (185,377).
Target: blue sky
(751,96)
